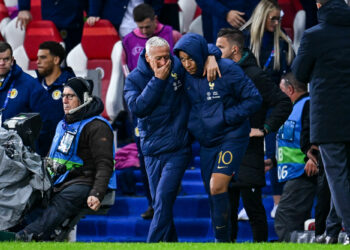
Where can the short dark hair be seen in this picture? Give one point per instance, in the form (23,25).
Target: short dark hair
(290,79)
(55,48)
(233,36)
(142,12)
(5,46)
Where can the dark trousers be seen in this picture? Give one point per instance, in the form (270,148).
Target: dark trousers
(63,205)
(323,202)
(164,174)
(254,207)
(144,173)
(295,206)
(336,161)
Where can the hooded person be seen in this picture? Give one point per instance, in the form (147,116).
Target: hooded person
(81,161)
(219,121)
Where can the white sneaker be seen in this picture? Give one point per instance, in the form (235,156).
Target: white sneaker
(242,215)
(273,211)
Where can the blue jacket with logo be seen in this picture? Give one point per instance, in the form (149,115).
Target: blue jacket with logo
(160,106)
(55,91)
(219,109)
(27,96)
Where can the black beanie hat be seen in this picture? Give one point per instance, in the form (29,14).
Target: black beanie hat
(79,86)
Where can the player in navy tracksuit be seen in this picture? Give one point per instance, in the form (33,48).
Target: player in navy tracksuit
(219,121)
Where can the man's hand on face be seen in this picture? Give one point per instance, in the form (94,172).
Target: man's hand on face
(161,72)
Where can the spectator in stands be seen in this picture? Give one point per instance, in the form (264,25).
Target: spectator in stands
(224,14)
(274,53)
(147,26)
(218,121)
(327,70)
(83,143)
(52,77)
(251,176)
(67,15)
(119,13)
(19,92)
(155,94)
(133,44)
(294,168)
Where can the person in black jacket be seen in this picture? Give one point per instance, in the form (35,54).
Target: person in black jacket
(326,67)
(252,170)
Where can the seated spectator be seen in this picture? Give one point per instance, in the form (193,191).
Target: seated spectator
(67,15)
(224,14)
(82,161)
(52,77)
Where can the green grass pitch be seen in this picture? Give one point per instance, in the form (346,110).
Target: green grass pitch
(161,246)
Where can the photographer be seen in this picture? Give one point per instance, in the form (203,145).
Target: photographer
(82,157)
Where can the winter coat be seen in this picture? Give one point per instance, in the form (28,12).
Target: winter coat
(219,109)
(160,106)
(252,170)
(55,91)
(323,60)
(95,148)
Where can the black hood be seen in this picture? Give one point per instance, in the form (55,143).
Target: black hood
(248,59)
(94,108)
(335,12)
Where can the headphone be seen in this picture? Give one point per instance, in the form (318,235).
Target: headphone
(87,94)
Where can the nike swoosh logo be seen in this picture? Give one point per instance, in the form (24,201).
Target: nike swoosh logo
(219,227)
(219,167)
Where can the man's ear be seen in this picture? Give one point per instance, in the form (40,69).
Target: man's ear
(56,60)
(147,58)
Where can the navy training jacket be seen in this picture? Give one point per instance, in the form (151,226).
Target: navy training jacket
(161,107)
(219,109)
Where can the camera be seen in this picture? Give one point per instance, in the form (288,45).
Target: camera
(54,166)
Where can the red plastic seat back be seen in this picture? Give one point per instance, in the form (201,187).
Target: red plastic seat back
(3,11)
(97,42)
(35,9)
(38,32)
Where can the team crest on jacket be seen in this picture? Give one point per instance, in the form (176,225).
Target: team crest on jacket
(211,85)
(212,94)
(177,83)
(56,95)
(14,93)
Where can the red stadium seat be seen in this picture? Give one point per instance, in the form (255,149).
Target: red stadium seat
(98,44)
(290,8)
(35,9)
(36,33)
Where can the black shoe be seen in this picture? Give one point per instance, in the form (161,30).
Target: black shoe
(325,239)
(347,240)
(23,236)
(148,214)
